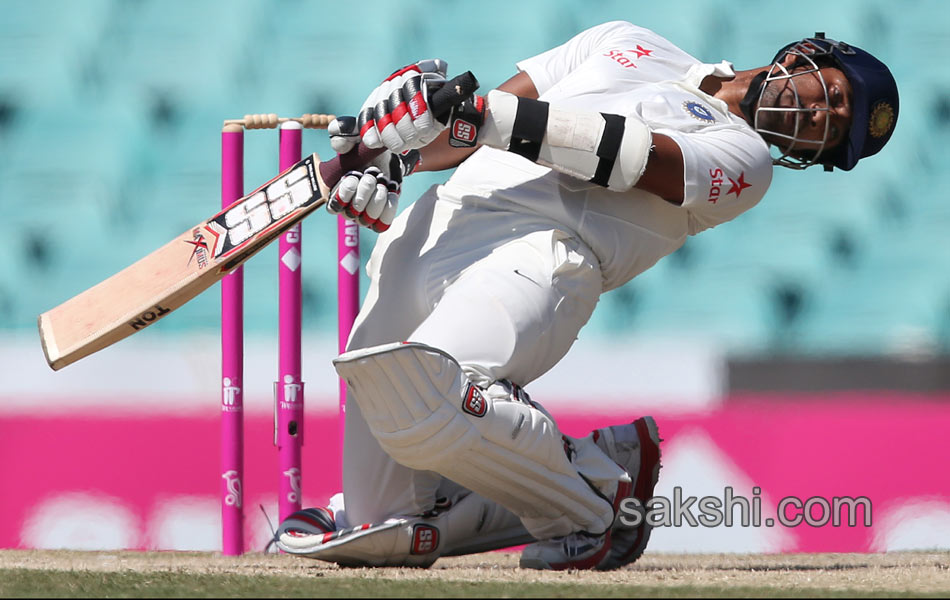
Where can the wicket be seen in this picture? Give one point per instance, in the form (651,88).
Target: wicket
(289,387)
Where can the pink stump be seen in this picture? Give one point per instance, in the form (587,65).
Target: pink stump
(348,296)
(232,360)
(288,432)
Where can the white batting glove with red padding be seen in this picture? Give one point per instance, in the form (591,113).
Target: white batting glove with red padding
(396,114)
(344,134)
(369,197)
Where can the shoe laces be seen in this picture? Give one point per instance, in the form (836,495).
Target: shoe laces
(273,532)
(580,543)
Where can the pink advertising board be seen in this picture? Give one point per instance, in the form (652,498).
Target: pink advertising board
(150,481)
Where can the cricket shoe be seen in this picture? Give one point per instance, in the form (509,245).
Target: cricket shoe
(636,448)
(576,551)
(580,550)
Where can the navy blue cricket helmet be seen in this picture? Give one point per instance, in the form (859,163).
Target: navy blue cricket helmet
(874,103)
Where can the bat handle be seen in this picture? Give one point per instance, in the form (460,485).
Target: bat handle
(451,94)
(331,171)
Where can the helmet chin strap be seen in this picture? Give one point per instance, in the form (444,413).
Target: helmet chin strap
(752,94)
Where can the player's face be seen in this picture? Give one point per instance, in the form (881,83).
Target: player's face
(811,109)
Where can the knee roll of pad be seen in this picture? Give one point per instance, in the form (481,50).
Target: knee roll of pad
(426,414)
(401,392)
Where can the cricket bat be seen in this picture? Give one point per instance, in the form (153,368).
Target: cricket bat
(166,279)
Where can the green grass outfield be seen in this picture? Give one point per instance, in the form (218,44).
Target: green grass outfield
(52,573)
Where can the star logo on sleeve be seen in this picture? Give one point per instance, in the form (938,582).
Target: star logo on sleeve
(641,51)
(717,181)
(622,58)
(738,185)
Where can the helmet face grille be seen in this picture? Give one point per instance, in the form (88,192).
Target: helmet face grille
(793,155)
(874,102)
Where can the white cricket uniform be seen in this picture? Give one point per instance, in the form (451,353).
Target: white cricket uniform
(503,264)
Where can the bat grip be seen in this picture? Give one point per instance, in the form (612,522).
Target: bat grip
(451,94)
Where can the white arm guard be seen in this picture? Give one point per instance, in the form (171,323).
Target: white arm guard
(608,150)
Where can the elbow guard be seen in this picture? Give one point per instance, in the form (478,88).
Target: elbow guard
(604,149)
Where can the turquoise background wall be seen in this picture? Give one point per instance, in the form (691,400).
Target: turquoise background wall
(110,113)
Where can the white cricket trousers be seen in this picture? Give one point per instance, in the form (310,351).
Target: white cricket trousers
(504,292)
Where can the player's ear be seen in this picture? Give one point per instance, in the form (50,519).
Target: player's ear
(788,61)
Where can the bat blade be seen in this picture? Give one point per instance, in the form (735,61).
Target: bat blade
(169,277)
(163,281)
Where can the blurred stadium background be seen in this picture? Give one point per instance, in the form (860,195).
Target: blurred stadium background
(813,329)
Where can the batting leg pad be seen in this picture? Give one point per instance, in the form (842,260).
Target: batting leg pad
(392,543)
(427,415)
(466,525)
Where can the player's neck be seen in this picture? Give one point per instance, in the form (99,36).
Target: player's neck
(732,91)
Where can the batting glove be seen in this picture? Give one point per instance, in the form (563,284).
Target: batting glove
(369,197)
(344,134)
(396,114)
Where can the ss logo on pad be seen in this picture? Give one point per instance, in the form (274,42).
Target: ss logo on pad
(473,402)
(425,539)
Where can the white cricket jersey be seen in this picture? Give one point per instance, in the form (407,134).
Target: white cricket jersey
(623,69)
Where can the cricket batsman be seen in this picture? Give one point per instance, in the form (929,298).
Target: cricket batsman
(597,159)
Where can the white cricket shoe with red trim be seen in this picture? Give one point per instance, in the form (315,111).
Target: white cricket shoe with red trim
(580,550)
(576,551)
(636,448)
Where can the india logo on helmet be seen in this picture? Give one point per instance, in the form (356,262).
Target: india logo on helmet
(882,119)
